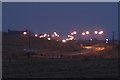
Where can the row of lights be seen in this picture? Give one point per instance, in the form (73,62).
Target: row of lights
(70,36)
(55,34)
(95,32)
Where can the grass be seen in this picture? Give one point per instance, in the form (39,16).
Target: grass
(15,65)
(105,68)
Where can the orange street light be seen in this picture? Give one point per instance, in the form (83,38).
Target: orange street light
(71,33)
(54,33)
(91,39)
(53,36)
(49,38)
(101,32)
(83,33)
(63,41)
(74,32)
(58,35)
(95,32)
(48,35)
(87,32)
(36,35)
(45,35)
(24,32)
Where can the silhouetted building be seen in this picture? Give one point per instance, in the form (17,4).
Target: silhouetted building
(10,32)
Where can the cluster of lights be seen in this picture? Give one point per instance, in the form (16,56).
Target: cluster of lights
(84,33)
(70,37)
(55,34)
(101,32)
(45,35)
(74,32)
(95,32)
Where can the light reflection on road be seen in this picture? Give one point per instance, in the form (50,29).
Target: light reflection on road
(88,50)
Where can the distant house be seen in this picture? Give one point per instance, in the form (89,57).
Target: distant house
(10,32)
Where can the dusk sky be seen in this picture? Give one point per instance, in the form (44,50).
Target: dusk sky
(63,17)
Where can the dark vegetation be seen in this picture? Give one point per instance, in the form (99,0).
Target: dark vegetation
(13,45)
(99,64)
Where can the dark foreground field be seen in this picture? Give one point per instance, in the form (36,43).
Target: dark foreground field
(16,65)
(61,68)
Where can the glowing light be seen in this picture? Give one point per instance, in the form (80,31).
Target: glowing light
(57,40)
(67,39)
(100,48)
(54,33)
(45,35)
(36,35)
(91,39)
(88,47)
(53,36)
(48,35)
(83,33)
(70,36)
(74,32)
(24,33)
(41,36)
(87,32)
(58,35)
(106,40)
(95,32)
(63,41)
(49,38)
(71,33)
(101,32)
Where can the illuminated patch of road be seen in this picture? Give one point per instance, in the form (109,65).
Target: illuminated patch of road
(88,47)
(99,48)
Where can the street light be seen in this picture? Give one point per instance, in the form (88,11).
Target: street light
(24,32)
(106,40)
(49,38)
(101,32)
(54,33)
(87,32)
(63,41)
(91,39)
(95,32)
(83,33)
(71,33)
(36,35)
(45,35)
(74,32)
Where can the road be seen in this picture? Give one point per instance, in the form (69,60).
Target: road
(88,49)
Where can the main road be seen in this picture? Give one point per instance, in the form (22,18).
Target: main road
(88,49)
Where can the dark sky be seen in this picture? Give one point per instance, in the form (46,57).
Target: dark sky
(63,17)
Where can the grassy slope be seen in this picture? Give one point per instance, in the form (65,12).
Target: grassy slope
(34,67)
(13,46)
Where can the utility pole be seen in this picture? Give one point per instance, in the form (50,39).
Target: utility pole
(113,39)
(29,38)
